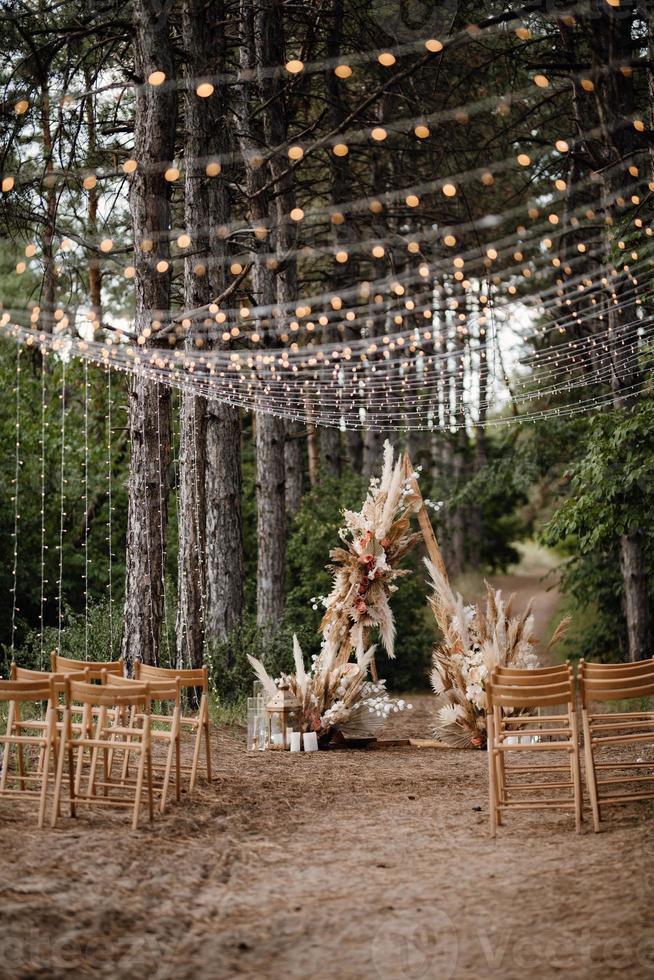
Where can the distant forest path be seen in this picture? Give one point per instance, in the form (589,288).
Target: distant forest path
(534,578)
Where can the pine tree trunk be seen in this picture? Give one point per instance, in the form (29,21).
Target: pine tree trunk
(197,293)
(294,465)
(637,604)
(224,522)
(149,403)
(270,430)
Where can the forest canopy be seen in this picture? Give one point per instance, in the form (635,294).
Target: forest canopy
(243,243)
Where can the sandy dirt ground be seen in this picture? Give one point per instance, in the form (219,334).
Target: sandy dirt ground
(338,865)
(333,866)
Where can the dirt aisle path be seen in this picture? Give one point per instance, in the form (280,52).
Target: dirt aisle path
(338,866)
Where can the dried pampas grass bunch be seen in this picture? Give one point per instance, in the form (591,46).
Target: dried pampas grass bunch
(375,540)
(475,639)
(334,695)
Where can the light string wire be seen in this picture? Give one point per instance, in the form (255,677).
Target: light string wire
(555,301)
(85,498)
(42,503)
(344,424)
(227,390)
(472,256)
(430,44)
(16,485)
(162,538)
(110,555)
(62,504)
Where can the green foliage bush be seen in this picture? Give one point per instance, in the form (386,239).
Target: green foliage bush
(608,493)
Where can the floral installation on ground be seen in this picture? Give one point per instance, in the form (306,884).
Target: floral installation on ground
(335,696)
(337,693)
(475,639)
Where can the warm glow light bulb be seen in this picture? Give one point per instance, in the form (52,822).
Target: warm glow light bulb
(213,168)
(295,66)
(386,59)
(204,90)
(157,77)
(342,71)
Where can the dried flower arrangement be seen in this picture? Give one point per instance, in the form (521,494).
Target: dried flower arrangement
(334,696)
(376,538)
(337,693)
(474,641)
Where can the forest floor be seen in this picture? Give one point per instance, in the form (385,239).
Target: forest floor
(334,866)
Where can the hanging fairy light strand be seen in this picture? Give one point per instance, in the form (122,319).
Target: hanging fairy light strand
(110,554)
(85,500)
(15,500)
(42,513)
(62,504)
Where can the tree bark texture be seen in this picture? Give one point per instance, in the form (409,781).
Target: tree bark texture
(610,33)
(637,603)
(270,430)
(149,403)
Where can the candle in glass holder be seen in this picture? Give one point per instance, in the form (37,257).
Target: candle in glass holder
(296,741)
(310,742)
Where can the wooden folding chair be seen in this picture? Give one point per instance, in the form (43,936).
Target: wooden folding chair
(199,724)
(43,738)
(166,691)
(106,738)
(606,779)
(59,682)
(509,693)
(66,665)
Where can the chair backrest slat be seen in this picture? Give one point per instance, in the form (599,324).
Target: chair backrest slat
(27,690)
(187,678)
(530,689)
(110,695)
(161,690)
(65,665)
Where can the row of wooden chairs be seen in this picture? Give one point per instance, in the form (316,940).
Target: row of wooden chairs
(512,695)
(98,720)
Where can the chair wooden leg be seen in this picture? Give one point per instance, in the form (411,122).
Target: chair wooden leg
(19,751)
(492,776)
(575,772)
(86,731)
(45,772)
(125,770)
(6,755)
(178,766)
(95,750)
(169,765)
(150,790)
(196,757)
(63,749)
(591,780)
(207,738)
(139,788)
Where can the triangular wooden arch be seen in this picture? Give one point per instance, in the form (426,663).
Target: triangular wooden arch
(429,537)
